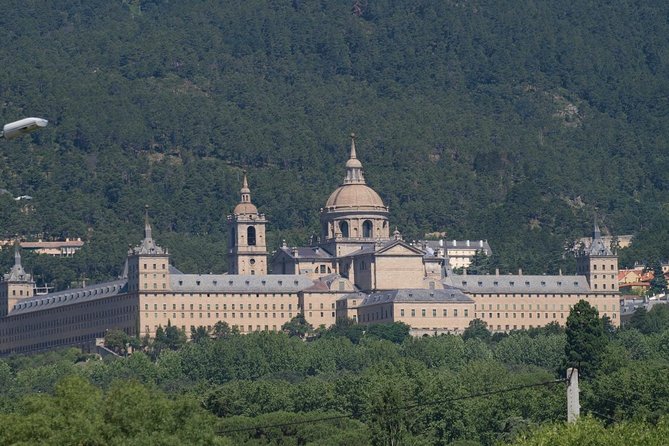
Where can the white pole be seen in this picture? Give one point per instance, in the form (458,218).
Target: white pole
(573,406)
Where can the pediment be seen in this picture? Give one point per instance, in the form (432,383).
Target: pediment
(399,248)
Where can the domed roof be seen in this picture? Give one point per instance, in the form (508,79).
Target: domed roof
(355,196)
(354,193)
(245,208)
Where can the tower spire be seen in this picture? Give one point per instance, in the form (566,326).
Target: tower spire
(598,247)
(147,225)
(353,166)
(17,254)
(245,191)
(353,154)
(17,273)
(148,245)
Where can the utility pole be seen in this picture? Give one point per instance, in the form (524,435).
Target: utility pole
(573,406)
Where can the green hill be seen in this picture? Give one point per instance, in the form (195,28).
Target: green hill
(515,121)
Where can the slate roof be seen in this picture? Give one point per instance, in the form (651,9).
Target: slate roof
(306,252)
(357,295)
(412,295)
(520,284)
(233,283)
(69,297)
(598,247)
(17,273)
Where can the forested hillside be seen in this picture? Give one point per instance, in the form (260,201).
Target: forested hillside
(515,121)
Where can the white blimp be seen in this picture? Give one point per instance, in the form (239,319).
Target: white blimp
(18,128)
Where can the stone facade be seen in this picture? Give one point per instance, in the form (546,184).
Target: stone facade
(356,269)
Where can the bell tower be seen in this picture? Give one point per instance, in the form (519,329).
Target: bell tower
(247,248)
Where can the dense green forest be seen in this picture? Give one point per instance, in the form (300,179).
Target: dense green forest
(346,387)
(515,121)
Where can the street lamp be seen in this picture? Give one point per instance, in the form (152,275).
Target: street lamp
(18,128)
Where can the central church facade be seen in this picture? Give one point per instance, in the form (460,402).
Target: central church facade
(357,269)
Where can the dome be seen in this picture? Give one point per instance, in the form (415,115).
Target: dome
(355,196)
(245,208)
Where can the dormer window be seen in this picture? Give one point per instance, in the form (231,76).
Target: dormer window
(197,282)
(181,282)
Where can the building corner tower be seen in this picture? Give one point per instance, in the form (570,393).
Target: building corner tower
(16,285)
(599,265)
(148,265)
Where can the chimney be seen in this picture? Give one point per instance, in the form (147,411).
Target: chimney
(560,271)
(454,242)
(520,271)
(497,271)
(481,243)
(441,242)
(467,243)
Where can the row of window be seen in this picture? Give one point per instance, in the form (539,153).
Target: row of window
(527,283)
(220,295)
(225,306)
(217,315)
(435,312)
(51,343)
(241,328)
(387,312)
(535,307)
(522,315)
(533,295)
(44,330)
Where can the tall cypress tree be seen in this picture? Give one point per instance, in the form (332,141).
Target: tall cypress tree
(586,338)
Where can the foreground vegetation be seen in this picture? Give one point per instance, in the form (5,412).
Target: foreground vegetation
(341,388)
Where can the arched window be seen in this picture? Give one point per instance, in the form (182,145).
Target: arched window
(367,229)
(251,236)
(343,226)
